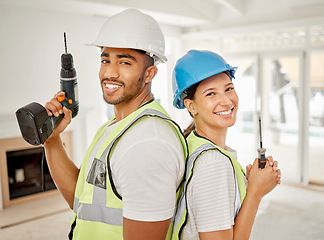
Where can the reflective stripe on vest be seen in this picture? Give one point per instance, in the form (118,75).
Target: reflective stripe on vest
(198,146)
(96,199)
(97,211)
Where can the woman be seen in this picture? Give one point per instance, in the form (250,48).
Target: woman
(215,203)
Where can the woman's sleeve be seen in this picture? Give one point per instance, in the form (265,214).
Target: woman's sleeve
(211,192)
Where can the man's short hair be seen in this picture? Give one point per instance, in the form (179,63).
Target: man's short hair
(148,60)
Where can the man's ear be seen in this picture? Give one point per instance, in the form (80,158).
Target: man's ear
(150,73)
(190,106)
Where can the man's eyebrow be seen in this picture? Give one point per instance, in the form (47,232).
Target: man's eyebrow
(104,54)
(126,56)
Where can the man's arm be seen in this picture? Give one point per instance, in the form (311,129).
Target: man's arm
(138,230)
(62,169)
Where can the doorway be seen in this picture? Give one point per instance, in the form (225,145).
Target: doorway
(281,99)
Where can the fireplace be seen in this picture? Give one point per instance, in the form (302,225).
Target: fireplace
(21,172)
(26,173)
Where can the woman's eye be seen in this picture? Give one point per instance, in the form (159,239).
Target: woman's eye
(210,94)
(229,89)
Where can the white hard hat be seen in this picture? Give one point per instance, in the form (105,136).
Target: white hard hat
(133,29)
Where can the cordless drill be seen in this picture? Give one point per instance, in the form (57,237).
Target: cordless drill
(34,123)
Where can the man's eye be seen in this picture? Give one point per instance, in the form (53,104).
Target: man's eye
(125,63)
(104,61)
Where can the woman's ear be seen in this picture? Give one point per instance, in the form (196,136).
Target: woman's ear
(190,106)
(150,73)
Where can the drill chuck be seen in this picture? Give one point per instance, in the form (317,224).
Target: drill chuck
(66,62)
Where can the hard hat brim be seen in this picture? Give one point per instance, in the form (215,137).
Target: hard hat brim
(161,59)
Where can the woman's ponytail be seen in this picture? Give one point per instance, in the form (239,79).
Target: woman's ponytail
(189,129)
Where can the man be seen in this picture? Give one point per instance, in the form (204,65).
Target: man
(127,186)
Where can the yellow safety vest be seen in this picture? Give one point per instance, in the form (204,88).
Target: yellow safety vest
(97,205)
(198,145)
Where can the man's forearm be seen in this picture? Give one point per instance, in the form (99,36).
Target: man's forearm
(62,169)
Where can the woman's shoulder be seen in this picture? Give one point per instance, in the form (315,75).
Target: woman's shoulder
(211,163)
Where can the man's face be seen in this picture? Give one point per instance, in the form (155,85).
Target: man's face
(121,74)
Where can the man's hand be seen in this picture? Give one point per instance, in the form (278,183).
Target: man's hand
(55,108)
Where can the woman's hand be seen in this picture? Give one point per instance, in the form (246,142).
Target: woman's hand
(273,164)
(262,181)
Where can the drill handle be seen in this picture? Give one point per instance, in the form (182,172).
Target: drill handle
(57,120)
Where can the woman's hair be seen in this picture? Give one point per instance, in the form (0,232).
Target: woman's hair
(189,129)
(189,93)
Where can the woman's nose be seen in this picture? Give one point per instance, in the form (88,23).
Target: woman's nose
(225,100)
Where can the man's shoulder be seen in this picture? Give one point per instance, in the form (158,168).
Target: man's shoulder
(153,126)
(150,133)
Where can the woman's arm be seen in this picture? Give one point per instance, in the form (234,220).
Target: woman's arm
(261,182)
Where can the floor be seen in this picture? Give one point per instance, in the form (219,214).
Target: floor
(288,212)
(46,218)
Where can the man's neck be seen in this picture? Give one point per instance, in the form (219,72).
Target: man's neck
(122,110)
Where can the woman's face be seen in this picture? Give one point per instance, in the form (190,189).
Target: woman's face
(215,102)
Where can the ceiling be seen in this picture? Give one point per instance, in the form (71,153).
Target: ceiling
(190,15)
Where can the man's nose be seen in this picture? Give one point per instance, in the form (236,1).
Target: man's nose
(112,71)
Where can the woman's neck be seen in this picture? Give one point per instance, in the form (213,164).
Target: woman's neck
(217,136)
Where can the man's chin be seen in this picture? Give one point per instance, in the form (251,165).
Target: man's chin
(112,101)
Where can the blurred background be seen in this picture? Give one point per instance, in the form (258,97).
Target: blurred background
(277,45)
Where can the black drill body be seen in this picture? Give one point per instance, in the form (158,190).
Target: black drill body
(69,85)
(34,123)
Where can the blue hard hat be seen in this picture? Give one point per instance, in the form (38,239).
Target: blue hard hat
(194,67)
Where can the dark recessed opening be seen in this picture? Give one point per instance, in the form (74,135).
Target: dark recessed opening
(24,172)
